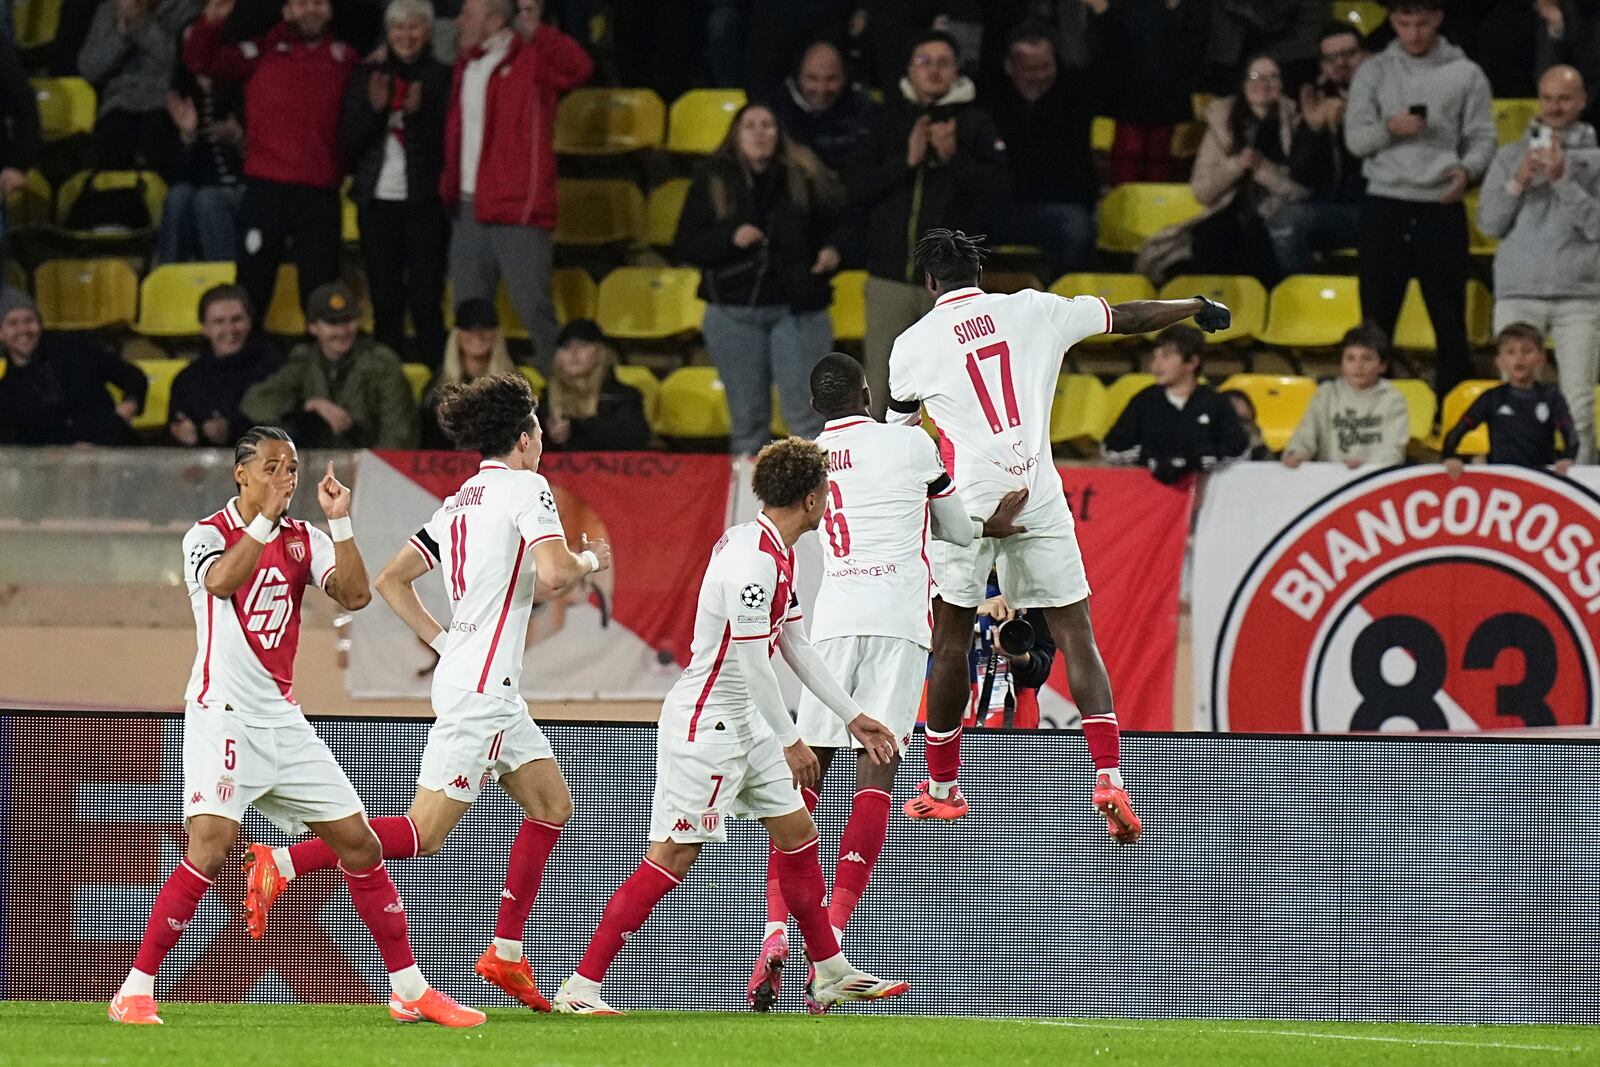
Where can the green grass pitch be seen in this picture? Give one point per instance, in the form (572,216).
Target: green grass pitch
(214,1035)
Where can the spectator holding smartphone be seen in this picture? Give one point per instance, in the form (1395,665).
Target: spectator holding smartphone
(1421,116)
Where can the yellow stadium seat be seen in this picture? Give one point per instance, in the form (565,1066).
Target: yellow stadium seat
(1246,298)
(575,294)
(1118,393)
(1010,281)
(1102,133)
(1479,243)
(1112,288)
(1186,138)
(849,309)
(598,211)
(169,297)
(650,303)
(1456,403)
(67,107)
(608,122)
(36,22)
(1312,310)
(1131,213)
(1078,410)
(1281,401)
(85,294)
(662,210)
(511,326)
(649,386)
(700,118)
(16,277)
(349,217)
(418,375)
(29,207)
(1414,330)
(155,195)
(780,426)
(694,404)
(158,401)
(535,379)
(286,316)
(1421,403)
(1363,16)
(1511,118)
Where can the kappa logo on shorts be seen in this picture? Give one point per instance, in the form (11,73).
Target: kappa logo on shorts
(682,826)
(197,798)
(461,782)
(753,596)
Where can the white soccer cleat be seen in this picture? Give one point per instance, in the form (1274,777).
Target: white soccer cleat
(579,996)
(853,984)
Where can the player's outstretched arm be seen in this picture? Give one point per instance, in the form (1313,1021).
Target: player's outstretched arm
(761,683)
(1143,316)
(807,665)
(348,584)
(559,566)
(396,584)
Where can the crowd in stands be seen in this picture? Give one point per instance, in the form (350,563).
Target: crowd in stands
(867,122)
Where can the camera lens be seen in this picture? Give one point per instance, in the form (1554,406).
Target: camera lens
(1016,636)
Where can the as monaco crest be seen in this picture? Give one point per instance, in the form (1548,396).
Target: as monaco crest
(1407,601)
(225,788)
(709,821)
(297,550)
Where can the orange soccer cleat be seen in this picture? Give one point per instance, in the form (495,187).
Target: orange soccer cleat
(927,806)
(133,1010)
(434,1007)
(514,978)
(767,978)
(263,884)
(1112,802)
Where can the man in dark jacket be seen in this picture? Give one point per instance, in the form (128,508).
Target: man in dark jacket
(294,80)
(933,160)
(1045,119)
(820,109)
(204,409)
(392,135)
(54,388)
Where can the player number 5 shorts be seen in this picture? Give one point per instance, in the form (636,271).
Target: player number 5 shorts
(475,738)
(285,772)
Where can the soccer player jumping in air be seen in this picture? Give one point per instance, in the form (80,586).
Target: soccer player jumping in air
(725,744)
(985,365)
(871,624)
(245,740)
(494,540)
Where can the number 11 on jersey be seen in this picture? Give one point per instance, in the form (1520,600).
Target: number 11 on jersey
(1008,391)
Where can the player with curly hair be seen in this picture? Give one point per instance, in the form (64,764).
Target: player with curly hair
(725,744)
(493,540)
(984,366)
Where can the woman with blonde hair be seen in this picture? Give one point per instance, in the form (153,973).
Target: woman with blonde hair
(585,408)
(474,348)
(761,221)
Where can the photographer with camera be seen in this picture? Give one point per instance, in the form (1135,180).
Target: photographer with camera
(1329,218)
(1011,658)
(1542,199)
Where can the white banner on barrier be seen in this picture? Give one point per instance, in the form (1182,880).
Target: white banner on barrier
(1326,599)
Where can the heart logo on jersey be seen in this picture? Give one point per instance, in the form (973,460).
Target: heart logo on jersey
(753,596)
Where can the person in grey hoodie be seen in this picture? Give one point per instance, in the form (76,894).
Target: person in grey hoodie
(130,57)
(1421,118)
(1542,199)
(1358,417)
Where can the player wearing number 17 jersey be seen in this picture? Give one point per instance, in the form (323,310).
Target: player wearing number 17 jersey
(984,366)
(493,540)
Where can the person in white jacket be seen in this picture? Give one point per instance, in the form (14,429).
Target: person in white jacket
(1358,418)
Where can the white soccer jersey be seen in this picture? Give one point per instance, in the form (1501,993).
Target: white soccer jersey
(984,366)
(747,594)
(875,577)
(244,662)
(482,541)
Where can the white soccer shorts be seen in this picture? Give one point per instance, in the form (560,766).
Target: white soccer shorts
(701,784)
(1042,568)
(476,738)
(285,772)
(885,675)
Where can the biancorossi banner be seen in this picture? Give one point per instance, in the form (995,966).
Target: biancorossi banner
(1398,599)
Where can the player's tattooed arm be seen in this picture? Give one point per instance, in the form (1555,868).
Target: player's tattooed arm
(395,585)
(1143,316)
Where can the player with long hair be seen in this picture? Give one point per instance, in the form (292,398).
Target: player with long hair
(984,366)
(725,744)
(495,539)
(245,740)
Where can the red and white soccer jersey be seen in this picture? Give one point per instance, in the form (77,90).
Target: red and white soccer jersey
(245,741)
(984,366)
(715,756)
(482,540)
(246,644)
